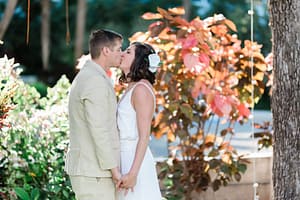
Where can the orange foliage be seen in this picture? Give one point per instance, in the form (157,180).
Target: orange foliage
(205,73)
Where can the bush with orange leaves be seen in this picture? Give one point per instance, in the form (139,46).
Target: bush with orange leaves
(207,77)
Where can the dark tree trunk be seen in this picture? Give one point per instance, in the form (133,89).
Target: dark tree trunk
(285,25)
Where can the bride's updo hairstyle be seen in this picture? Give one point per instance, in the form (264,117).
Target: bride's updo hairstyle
(139,68)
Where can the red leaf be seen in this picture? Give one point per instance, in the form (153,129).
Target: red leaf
(181,22)
(162,131)
(243,110)
(221,105)
(230,24)
(210,139)
(155,24)
(189,42)
(139,36)
(204,59)
(164,13)
(171,136)
(177,11)
(192,62)
(150,16)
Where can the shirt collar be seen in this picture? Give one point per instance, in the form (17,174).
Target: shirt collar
(99,69)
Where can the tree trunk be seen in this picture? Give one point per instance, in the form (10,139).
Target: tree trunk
(8,13)
(45,33)
(80,27)
(187,8)
(285,25)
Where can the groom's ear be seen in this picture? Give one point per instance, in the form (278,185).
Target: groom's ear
(105,50)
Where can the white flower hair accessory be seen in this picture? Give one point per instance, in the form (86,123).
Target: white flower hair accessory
(154,61)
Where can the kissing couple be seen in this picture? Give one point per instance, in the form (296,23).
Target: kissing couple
(108,156)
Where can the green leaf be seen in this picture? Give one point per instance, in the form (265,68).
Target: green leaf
(181,133)
(213,153)
(65,193)
(173,106)
(242,167)
(184,98)
(22,193)
(168,182)
(35,194)
(187,110)
(214,163)
(225,169)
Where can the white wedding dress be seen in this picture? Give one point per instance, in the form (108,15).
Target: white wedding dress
(147,186)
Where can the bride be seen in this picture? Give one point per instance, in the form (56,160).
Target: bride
(135,111)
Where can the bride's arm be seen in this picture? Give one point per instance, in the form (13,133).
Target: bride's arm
(143,103)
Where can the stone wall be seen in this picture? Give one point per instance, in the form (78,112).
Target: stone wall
(243,190)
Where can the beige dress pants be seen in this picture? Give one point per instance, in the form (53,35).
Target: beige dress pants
(92,188)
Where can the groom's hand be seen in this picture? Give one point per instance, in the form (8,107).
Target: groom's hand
(116,176)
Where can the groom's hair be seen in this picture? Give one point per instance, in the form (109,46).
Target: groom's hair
(102,38)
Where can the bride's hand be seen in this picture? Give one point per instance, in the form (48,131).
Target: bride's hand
(128,181)
(127,189)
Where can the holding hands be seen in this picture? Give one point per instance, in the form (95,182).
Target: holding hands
(116,176)
(127,182)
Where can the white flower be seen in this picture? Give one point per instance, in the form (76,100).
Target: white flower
(154,61)
(82,60)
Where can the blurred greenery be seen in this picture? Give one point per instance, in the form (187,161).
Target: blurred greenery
(120,15)
(264,103)
(40,87)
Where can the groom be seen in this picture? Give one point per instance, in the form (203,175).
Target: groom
(93,156)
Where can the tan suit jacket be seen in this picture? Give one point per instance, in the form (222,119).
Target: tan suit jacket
(94,141)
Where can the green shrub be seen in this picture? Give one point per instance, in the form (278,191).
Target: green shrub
(41,88)
(33,146)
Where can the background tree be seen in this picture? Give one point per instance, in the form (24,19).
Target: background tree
(187,7)
(205,77)
(80,27)
(45,33)
(120,15)
(285,25)
(237,11)
(8,13)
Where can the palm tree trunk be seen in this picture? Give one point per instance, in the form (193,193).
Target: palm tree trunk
(285,26)
(80,27)
(45,33)
(8,13)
